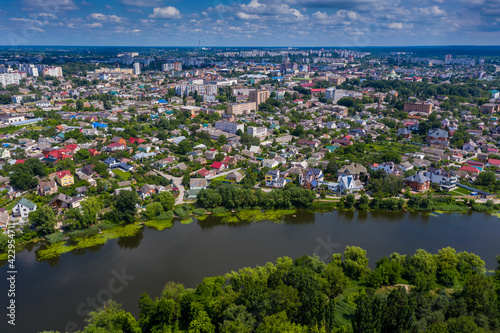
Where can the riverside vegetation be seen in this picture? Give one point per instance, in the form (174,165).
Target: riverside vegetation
(423,292)
(230,203)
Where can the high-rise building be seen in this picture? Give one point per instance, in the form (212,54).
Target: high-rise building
(178,66)
(53,71)
(137,68)
(259,96)
(448,57)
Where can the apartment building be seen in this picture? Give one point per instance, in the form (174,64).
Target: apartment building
(259,96)
(229,127)
(241,108)
(258,132)
(422,107)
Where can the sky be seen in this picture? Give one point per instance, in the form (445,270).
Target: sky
(269,23)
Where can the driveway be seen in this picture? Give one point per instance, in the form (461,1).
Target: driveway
(177,182)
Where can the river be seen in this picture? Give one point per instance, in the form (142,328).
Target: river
(55,295)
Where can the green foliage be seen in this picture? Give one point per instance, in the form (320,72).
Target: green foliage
(125,204)
(43,219)
(234,197)
(55,238)
(306,295)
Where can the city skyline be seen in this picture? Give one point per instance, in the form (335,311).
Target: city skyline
(264,23)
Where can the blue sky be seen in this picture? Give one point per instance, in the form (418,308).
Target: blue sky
(349,23)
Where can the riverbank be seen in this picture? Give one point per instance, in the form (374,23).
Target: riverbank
(185,214)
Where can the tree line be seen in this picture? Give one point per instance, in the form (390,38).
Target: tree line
(309,295)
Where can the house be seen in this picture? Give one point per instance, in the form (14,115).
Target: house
(47,188)
(205,173)
(388,167)
(114,147)
(271,178)
(4,220)
(354,169)
(311,178)
(119,140)
(65,178)
(4,153)
(147,190)
(89,169)
(347,184)
(405,133)
(23,207)
(93,152)
(438,137)
(418,182)
(489,108)
(64,201)
(111,162)
(198,183)
(270,163)
(470,170)
(136,140)
(218,166)
(234,176)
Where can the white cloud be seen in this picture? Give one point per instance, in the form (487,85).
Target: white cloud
(108,7)
(168,12)
(106,18)
(142,3)
(95,25)
(49,6)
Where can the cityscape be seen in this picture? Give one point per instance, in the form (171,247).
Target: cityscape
(250,166)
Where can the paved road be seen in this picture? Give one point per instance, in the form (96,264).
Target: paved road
(177,182)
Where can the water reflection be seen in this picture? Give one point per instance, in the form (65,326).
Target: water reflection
(130,242)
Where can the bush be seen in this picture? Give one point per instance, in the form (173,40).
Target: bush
(165,216)
(199,211)
(54,238)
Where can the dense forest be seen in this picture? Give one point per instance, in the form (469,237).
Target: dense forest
(423,292)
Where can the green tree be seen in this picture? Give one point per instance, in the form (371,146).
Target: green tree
(125,204)
(111,318)
(355,262)
(166,199)
(43,219)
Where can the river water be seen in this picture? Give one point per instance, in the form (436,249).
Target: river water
(55,295)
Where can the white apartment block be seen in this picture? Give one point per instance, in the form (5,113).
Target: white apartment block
(53,71)
(11,78)
(229,127)
(258,132)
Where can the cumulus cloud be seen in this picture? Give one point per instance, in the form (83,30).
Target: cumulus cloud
(142,3)
(168,12)
(95,25)
(106,18)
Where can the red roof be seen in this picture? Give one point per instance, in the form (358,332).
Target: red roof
(19,162)
(115,144)
(138,140)
(72,146)
(204,172)
(474,163)
(226,160)
(216,165)
(61,174)
(467,168)
(493,161)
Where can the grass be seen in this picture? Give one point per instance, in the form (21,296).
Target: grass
(54,251)
(123,174)
(159,224)
(187,221)
(256,215)
(460,191)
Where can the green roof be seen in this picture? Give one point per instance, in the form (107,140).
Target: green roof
(25,202)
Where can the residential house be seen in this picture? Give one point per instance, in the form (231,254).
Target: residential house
(198,183)
(354,169)
(23,207)
(147,190)
(65,178)
(218,166)
(311,178)
(438,137)
(270,163)
(418,182)
(234,176)
(347,184)
(47,188)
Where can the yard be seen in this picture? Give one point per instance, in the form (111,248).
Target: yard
(123,174)
(460,191)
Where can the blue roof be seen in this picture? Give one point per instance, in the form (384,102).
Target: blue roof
(162,101)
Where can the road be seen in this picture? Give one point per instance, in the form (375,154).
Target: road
(177,182)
